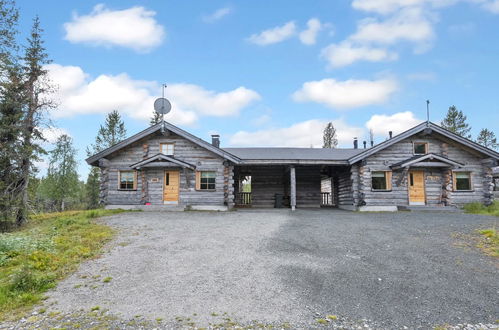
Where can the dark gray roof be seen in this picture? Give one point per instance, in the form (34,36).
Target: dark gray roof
(277,153)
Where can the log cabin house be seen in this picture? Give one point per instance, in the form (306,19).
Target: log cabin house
(166,167)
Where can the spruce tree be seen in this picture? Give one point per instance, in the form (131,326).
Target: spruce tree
(330,139)
(155,119)
(36,87)
(62,176)
(455,121)
(487,139)
(112,132)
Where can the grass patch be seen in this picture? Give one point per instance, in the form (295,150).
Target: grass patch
(490,242)
(107,279)
(479,208)
(49,247)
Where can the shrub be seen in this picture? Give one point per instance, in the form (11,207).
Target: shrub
(474,207)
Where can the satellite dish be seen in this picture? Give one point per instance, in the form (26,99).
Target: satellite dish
(162,106)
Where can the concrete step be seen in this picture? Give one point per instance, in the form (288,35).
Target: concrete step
(425,208)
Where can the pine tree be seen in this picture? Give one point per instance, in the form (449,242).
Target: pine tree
(455,121)
(330,139)
(487,139)
(155,119)
(112,132)
(62,176)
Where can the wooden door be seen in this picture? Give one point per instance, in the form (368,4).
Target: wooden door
(171,184)
(417,194)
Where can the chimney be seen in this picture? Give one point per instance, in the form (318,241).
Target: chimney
(372,143)
(355,143)
(365,144)
(215,140)
(390,133)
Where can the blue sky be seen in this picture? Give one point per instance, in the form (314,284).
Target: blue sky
(270,73)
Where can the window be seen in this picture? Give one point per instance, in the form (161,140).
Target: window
(205,180)
(166,148)
(420,148)
(381,180)
(462,181)
(128,180)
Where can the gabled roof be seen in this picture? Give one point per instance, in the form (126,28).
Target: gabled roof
(158,159)
(92,160)
(293,155)
(421,158)
(430,127)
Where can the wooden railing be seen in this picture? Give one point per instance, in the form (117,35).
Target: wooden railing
(243,199)
(326,198)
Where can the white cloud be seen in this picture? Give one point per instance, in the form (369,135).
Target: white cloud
(346,53)
(133,28)
(397,123)
(274,35)
(303,134)
(309,36)
(390,6)
(492,6)
(346,94)
(407,25)
(211,103)
(135,98)
(218,14)
(51,134)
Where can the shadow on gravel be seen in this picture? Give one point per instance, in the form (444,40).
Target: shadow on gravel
(397,269)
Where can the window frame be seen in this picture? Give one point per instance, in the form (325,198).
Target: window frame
(454,181)
(426,147)
(134,182)
(167,144)
(199,183)
(388,180)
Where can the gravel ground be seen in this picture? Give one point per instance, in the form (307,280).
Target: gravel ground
(274,267)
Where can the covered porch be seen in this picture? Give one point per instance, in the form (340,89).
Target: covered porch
(291,186)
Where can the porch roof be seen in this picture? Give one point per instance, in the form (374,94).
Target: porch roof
(162,160)
(427,160)
(293,155)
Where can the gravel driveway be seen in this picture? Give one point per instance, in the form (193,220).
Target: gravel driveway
(388,269)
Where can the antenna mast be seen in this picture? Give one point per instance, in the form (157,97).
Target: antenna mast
(162,106)
(427,112)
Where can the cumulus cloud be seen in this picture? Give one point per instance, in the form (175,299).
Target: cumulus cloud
(346,53)
(397,123)
(309,36)
(303,134)
(135,98)
(274,35)
(407,25)
(492,6)
(218,14)
(346,94)
(133,28)
(389,6)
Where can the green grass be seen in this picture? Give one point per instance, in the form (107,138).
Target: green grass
(490,242)
(490,238)
(49,247)
(479,208)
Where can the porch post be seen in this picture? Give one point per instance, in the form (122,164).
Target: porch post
(292,174)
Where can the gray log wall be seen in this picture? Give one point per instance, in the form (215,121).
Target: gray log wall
(438,182)
(184,150)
